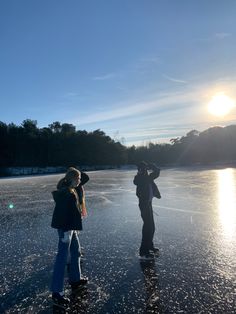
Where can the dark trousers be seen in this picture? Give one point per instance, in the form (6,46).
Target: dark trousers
(148,227)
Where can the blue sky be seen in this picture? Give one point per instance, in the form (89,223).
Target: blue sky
(140,70)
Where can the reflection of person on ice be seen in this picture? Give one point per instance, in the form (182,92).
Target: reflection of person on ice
(67,219)
(145,191)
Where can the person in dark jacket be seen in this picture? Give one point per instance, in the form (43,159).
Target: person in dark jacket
(67,219)
(145,191)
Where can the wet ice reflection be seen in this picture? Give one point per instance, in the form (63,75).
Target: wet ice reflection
(195,272)
(227,200)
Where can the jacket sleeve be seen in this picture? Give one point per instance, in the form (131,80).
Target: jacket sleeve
(84,178)
(155,172)
(136,180)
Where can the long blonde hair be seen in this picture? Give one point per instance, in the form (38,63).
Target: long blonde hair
(70,175)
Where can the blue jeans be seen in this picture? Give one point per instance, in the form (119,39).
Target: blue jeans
(68,248)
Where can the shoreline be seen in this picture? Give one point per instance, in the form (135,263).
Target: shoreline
(10,172)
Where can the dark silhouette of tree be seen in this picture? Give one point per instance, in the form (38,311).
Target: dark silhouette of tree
(61,145)
(55,127)
(67,128)
(4,144)
(184,148)
(30,127)
(57,145)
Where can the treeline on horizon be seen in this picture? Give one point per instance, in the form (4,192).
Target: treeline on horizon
(62,145)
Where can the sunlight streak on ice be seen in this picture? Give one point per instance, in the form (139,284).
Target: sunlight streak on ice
(227,201)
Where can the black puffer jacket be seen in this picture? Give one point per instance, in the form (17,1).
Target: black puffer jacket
(143,182)
(67,213)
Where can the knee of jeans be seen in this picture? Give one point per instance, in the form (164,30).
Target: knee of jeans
(67,237)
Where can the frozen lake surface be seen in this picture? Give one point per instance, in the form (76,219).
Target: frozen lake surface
(196,234)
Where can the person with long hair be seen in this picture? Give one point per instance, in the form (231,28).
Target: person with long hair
(67,219)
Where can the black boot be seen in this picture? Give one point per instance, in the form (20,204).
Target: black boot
(77,285)
(60,300)
(155,251)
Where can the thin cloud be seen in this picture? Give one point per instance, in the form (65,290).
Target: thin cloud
(71,95)
(183,111)
(104,77)
(174,79)
(143,136)
(142,140)
(142,64)
(147,63)
(152,60)
(132,108)
(212,37)
(222,35)
(157,132)
(124,111)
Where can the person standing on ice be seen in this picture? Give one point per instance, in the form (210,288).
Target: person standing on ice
(67,219)
(145,191)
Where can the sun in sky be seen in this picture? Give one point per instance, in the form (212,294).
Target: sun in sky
(220,105)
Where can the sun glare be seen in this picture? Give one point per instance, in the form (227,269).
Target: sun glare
(220,105)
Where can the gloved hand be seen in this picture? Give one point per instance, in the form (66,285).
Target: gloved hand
(153,167)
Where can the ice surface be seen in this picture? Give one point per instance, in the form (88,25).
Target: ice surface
(196,234)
